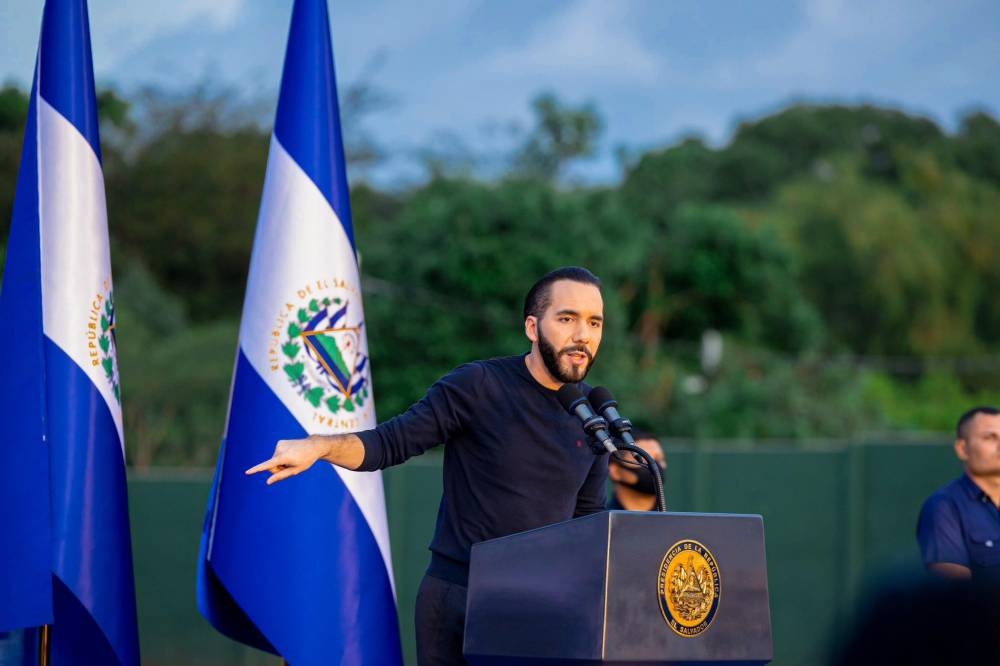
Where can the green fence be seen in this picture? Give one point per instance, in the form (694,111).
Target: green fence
(838,518)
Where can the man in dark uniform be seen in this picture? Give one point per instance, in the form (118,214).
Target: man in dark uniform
(959,525)
(514,459)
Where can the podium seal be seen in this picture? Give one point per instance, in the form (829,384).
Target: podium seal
(689,588)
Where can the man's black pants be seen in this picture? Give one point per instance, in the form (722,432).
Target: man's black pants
(440,622)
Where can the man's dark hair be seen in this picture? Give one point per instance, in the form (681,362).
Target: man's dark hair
(965,419)
(639,433)
(540,295)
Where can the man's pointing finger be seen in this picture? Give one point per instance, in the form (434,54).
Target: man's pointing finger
(265,466)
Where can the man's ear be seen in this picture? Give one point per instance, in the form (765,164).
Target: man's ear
(531,327)
(962,449)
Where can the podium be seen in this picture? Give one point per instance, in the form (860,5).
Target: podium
(622,587)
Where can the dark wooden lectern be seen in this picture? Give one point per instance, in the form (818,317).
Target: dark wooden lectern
(622,587)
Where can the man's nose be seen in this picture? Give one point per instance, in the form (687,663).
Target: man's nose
(582,332)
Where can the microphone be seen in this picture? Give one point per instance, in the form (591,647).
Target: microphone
(605,404)
(573,401)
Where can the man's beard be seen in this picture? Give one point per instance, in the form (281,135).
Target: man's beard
(550,357)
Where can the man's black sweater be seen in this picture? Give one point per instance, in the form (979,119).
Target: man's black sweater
(514,459)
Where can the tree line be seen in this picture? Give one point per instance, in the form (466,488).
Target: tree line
(829,272)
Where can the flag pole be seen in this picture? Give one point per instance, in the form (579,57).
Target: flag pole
(43,645)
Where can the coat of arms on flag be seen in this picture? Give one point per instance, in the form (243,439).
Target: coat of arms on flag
(323,352)
(102,342)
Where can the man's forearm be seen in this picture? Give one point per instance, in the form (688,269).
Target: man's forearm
(294,456)
(345,450)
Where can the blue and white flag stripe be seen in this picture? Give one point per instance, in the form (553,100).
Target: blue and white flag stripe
(309,88)
(76,257)
(92,595)
(302,568)
(300,241)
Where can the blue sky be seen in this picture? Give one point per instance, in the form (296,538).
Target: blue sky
(656,69)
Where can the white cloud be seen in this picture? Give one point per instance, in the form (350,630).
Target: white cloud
(839,43)
(118,28)
(592,40)
(397,25)
(122,26)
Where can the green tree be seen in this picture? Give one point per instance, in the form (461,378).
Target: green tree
(896,270)
(185,201)
(709,269)
(175,376)
(757,394)
(562,133)
(767,152)
(13,108)
(930,403)
(663,180)
(13,114)
(977,146)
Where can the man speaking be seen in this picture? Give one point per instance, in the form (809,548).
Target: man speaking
(514,459)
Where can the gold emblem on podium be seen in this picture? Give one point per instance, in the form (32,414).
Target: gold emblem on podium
(689,588)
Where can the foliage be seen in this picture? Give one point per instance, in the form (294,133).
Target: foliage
(562,133)
(709,269)
(759,395)
(931,404)
(846,255)
(175,375)
(13,108)
(977,147)
(898,270)
(663,180)
(766,152)
(185,203)
(13,114)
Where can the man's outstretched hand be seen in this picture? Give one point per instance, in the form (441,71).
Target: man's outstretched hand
(294,456)
(291,457)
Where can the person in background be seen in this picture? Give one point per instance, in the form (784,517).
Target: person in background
(959,525)
(632,484)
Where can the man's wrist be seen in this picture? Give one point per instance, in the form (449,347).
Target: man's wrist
(327,447)
(343,450)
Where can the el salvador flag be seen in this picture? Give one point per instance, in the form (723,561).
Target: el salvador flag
(301,569)
(65,547)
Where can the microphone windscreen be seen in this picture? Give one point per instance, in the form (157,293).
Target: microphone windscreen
(569,395)
(600,398)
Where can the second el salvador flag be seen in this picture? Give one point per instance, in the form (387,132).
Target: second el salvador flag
(65,548)
(303,568)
